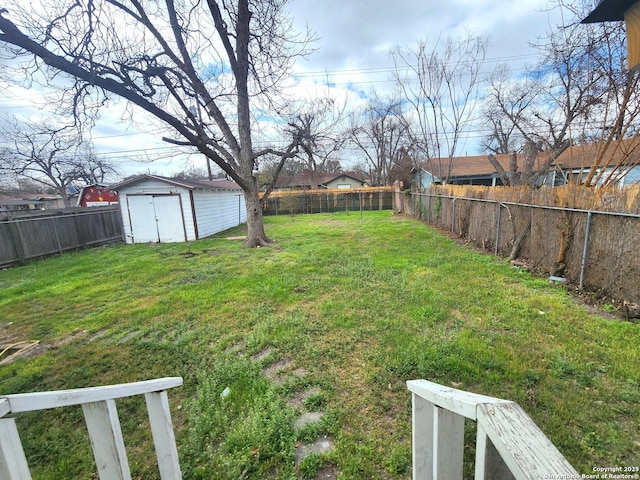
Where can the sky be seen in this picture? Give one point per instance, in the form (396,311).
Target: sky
(352,52)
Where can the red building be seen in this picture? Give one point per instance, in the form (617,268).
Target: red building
(97,195)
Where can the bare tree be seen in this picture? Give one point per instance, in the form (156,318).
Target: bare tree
(53,156)
(579,92)
(499,115)
(403,165)
(380,133)
(440,83)
(196,66)
(318,127)
(613,121)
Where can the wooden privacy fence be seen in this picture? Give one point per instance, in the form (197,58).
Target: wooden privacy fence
(36,235)
(294,202)
(594,249)
(509,445)
(103,425)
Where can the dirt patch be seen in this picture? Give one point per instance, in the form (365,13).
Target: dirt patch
(236,348)
(274,371)
(297,401)
(262,354)
(98,334)
(599,305)
(12,349)
(129,336)
(299,372)
(308,417)
(327,473)
(322,445)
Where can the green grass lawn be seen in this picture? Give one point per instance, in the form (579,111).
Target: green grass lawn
(350,309)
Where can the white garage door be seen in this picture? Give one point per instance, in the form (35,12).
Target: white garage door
(156,218)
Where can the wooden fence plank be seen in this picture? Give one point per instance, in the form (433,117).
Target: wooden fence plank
(30,235)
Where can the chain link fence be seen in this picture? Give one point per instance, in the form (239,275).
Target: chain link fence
(324,201)
(596,249)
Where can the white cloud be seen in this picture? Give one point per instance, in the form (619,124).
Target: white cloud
(356,37)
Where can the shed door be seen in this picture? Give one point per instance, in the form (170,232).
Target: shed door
(169,218)
(156,218)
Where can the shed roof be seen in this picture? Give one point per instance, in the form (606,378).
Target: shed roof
(188,184)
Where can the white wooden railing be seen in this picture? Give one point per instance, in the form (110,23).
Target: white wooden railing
(509,444)
(103,425)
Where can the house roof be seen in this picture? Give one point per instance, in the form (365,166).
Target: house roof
(469,166)
(609,11)
(188,184)
(623,152)
(579,156)
(306,178)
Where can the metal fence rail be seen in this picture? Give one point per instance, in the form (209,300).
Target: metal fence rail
(32,236)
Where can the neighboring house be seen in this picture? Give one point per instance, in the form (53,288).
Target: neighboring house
(159,209)
(96,195)
(309,180)
(475,170)
(36,201)
(13,203)
(52,202)
(346,180)
(574,163)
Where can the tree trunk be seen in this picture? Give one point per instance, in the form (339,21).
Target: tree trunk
(517,243)
(256,236)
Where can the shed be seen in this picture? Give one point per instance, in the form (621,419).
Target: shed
(159,209)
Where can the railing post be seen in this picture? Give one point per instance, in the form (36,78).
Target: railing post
(489,463)
(163,437)
(422,438)
(106,440)
(438,442)
(448,445)
(13,463)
